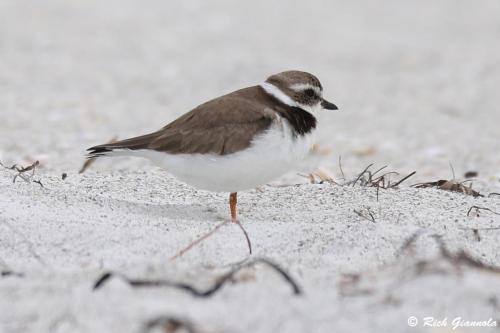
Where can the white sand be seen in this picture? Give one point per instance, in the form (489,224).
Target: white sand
(417,84)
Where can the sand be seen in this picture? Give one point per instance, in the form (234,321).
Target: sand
(416,84)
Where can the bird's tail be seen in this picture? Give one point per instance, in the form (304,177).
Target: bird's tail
(123,147)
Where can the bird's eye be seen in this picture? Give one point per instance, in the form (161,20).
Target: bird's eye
(309,92)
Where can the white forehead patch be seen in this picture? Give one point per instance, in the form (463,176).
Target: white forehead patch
(303,86)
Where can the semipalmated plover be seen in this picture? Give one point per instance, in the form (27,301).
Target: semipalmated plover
(238,141)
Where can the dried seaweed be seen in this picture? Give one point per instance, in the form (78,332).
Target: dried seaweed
(220,282)
(321,175)
(361,174)
(452,186)
(24,172)
(369,179)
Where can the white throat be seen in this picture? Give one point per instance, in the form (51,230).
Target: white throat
(285,99)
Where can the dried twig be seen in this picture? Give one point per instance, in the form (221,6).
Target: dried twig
(195,291)
(24,172)
(367,178)
(381,178)
(493,194)
(403,179)
(340,166)
(39,182)
(20,168)
(378,170)
(452,169)
(361,174)
(370,217)
(480,208)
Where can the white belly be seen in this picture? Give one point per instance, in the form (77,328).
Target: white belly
(272,154)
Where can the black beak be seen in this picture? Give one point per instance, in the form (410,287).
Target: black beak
(329,106)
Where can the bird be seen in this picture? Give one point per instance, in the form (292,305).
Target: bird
(238,141)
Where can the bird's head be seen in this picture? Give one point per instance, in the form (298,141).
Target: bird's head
(298,89)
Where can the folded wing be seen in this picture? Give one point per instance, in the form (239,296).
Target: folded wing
(221,126)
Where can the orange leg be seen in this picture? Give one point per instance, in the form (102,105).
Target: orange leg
(232,205)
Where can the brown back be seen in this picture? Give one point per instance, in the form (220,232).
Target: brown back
(222,126)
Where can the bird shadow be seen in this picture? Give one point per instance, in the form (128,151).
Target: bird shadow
(186,211)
